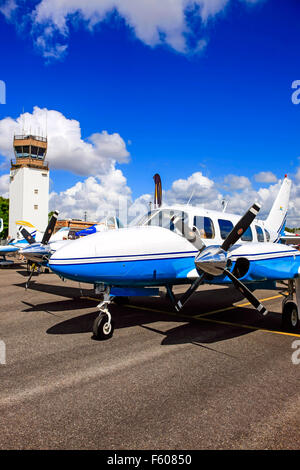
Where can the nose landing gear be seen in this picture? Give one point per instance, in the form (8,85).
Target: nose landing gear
(103,327)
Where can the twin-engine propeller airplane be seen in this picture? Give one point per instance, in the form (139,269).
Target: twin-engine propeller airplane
(38,253)
(15,245)
(185,245)
(28,235)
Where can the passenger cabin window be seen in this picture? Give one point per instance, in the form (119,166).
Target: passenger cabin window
(267,235)
(247,236)
(205,226)
(259,233)
(225,227)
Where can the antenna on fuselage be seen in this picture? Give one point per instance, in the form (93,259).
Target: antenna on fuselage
(224,204)
(193,192)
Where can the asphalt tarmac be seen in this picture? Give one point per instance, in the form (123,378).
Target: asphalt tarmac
(222,380)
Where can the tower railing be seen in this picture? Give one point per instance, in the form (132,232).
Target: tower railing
(30,136)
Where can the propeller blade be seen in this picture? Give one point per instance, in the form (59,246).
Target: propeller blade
(25,234)
(240,227)
(191,235)
(50,228)
(185,297)
(247,293)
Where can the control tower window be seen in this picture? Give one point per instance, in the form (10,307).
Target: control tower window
(26,150)
(41,152)
(34,150)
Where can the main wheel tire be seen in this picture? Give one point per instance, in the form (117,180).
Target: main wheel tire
(290,318)
(102,328)
(119,300)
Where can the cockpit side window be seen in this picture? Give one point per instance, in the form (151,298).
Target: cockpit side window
(267,235)
(225,227)
(259,233)
(205,226)
(163,218)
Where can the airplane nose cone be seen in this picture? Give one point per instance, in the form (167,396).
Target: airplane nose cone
(212,261)
(36,252)
(71,259)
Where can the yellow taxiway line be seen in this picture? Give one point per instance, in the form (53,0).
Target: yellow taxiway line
(201,317)
(239,305)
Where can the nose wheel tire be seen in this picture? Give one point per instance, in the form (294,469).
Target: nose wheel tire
(290,318)
(102,327)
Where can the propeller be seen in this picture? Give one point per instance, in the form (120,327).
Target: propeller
(50,228)
(211,261)
(25,234)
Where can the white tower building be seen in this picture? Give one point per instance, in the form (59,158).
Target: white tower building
(29,184)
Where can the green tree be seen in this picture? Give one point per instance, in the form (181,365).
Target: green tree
(4,209)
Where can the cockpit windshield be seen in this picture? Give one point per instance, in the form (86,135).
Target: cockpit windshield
(163,218)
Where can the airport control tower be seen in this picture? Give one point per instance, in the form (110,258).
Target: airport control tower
(29,183)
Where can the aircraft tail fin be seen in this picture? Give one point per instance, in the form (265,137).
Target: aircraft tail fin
(277,217)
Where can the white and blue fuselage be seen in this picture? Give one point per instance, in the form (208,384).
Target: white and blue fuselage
(155,254)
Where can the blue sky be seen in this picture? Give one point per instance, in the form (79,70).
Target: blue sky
(224,110)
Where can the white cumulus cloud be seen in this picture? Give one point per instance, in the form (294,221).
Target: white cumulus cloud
(67,150)
(235,182)
(99,196)
(153,21)
(8,7)
(265,177)
(4,185)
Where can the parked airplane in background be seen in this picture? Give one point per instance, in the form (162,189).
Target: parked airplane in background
(38,253)
(109,223)
(13,246)
(174,245)
(32,236)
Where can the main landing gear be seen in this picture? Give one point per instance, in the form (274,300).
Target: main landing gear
(103,327)
(290,314)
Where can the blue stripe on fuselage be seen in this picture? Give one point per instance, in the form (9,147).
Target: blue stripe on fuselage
(169,271)
(144,272)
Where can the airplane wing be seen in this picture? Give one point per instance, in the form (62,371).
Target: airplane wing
(6,249)
(290,239)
